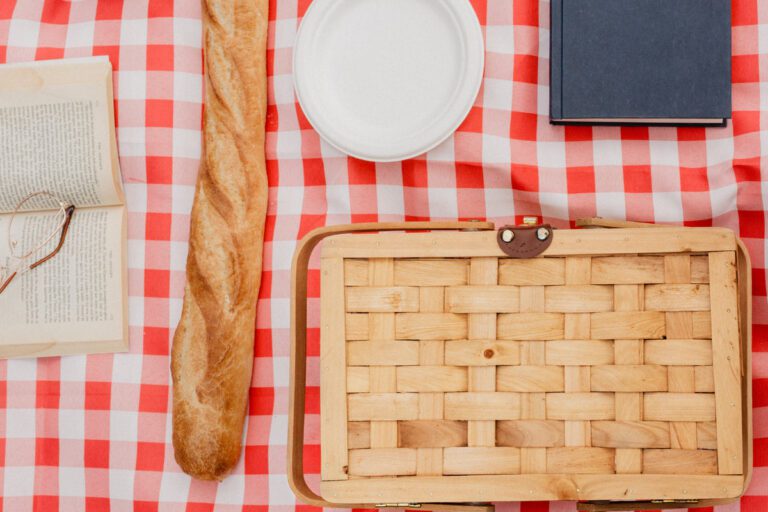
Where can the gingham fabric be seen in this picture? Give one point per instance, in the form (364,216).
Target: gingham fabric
(94,433)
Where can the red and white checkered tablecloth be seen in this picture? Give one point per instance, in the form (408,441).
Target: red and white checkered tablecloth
(94,433)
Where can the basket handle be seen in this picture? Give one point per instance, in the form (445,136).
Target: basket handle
(296,478)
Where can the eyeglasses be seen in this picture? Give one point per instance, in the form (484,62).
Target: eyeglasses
(33,240)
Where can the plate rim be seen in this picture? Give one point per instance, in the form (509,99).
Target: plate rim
(470,24)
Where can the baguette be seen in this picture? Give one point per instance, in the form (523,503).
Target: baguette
(212,355)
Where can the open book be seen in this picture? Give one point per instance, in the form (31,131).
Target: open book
(57,135)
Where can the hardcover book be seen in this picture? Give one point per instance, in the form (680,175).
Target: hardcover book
(640,61)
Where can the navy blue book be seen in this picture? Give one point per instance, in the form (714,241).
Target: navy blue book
(640,62)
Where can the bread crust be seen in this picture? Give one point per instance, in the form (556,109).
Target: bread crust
(212,355)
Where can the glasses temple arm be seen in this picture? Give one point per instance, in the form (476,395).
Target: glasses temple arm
(64,229)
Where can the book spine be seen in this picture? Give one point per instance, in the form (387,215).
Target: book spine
(555,60)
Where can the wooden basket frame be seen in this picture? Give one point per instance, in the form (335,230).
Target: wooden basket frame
(296,475)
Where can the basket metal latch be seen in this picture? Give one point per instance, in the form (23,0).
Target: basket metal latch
(525,241)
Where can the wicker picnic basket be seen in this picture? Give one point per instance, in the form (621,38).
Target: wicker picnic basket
(463,364)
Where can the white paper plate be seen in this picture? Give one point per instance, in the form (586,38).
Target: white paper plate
(387,80)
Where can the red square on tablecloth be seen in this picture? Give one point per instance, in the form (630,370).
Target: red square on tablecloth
(314,173)
(160,9)
(523,126)
(153,398)
(156,283)
(96,453)
(745,69)
(256,460)
(47,394)
(150,456)
(47,452)
(54,11)
(110,10)
(752,223)
(160,57)
(469,176)
(98,395)
(637,178)
(158,226)
(159,113)
(747,169)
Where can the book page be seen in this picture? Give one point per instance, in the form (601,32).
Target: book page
(78,296)
(57,133)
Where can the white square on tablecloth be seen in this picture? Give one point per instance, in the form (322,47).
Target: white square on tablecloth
(187,32)
(499,203)
(282,254)
(18,481)
(21,369)
(187,87)
(664,152)
(174,311)
(123,425)
(71,423)
(723,199)
(72,368)
(278,432)
(720,151)
(131,85)
(135,197)
(136,251)
(281,312)
(182,198)
(554,204)
(174,486)
(131,141)
(442,203)
(23,33)
(390,200)
(179,252)
(610,205)
(280,371)
(135,311)
(500,39)
(496,150)
(606,152)
(497,94)
(121,484)
(326,150)
(133,32)
(285,32)
(337,199)
(763,85)
(19,424)
(231,490)
(279,492)
(550,154)
(667,207)
(283,89)
(288,144)
(71,481)
(126,368)
(186,143)
(542,100)
(443,152)
(289,200)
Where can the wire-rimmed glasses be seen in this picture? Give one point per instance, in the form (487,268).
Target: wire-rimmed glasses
(31,245)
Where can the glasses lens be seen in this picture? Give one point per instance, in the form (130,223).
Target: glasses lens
(33,234)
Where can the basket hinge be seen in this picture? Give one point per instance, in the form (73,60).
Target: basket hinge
(398,505)
(681,502)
